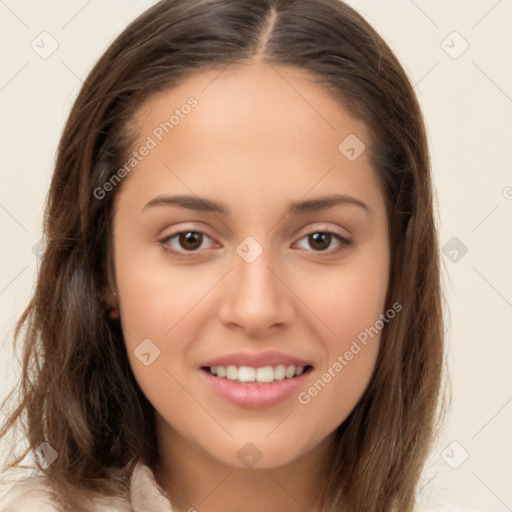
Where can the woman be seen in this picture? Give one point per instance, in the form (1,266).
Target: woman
(194,377)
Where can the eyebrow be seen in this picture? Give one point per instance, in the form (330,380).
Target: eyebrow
(203,204)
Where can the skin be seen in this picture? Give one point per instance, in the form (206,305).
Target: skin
(254,143)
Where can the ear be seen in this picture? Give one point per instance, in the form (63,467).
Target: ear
(110,298)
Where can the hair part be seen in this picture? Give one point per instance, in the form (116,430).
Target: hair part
(77,391)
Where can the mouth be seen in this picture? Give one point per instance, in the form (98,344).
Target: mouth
(257,375)
(256,380)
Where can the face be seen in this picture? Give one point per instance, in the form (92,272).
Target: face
(251,309)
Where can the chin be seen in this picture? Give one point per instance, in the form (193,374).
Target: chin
(261,452)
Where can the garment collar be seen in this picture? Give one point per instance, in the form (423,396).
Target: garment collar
(146,495)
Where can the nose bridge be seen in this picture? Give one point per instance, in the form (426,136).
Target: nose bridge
(256,280)
(255,298)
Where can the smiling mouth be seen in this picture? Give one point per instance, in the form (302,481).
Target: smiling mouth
(261,375)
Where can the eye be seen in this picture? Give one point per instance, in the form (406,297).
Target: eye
(190,241)
(320,240)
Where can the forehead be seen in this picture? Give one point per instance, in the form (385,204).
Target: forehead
(253,129)
(261,94)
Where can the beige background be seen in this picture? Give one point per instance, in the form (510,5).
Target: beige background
(466,95)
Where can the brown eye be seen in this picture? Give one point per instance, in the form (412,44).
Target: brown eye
(320,241)
(191,240)
(183,242)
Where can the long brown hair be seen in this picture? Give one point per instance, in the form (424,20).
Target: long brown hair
(77,391)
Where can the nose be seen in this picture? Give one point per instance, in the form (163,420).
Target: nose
(256,299)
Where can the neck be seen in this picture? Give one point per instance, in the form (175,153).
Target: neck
(197,482)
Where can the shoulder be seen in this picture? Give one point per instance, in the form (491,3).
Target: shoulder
(445,507)
(29,493)
(34,493)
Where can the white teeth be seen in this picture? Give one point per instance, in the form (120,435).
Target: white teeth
(290,372)
(279,372)
(246,374)
(231,372)
(264,374)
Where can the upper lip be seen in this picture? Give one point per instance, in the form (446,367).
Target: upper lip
(256,360)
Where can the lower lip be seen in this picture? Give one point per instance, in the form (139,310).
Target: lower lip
(256,396)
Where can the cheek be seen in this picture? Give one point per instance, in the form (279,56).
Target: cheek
(348,299)
(157,316)
(162,309)
(157,296)
(350,303)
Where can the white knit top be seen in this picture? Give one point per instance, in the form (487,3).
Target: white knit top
(145,496)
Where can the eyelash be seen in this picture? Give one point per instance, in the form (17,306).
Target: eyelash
(344,242)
